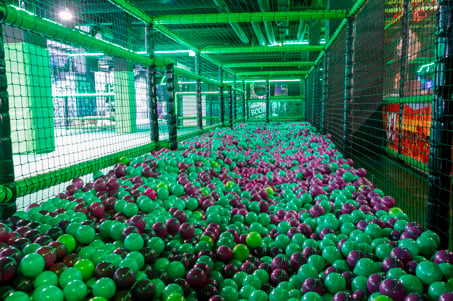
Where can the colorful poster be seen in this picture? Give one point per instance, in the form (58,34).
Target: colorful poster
(414,131)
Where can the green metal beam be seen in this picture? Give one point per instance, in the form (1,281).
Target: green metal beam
(24,20)
(251,17)
(261,49)
(185,73)
(357,6)
(269,64)
(271,73)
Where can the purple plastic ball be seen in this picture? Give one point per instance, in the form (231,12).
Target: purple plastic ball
(392,288)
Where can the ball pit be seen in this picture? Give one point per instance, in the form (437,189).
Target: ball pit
(258,212)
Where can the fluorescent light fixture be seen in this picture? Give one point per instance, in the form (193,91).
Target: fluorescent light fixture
(322,41)
(285,80)
(274,44)
(304,42)
(86,54)
(273,80)
(194,93)
(66,15)
(190,52)
(172,51)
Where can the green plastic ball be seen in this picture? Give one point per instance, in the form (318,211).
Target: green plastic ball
(134,242)
(241,252)
(86,267)
(68,241)
(85,234)
(176,270)
(411,284)
(17,296)
(68,275)
(75,290)
(104,287)
(31,265)
(254,240)
(50,293)
(428,272)
(46,278)
(335,282)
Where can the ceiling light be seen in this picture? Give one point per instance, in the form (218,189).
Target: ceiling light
(66,15)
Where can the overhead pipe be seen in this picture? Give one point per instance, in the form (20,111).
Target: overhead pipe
(270,64)
(234,17)
(260,49)
(283,27)
(271,73)
(268,26)
(235,26)
(259,33)
(301,30)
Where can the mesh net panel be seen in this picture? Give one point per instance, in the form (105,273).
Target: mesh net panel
(317,91)
(335,90)
(68,104)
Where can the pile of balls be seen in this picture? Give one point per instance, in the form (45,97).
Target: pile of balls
(259,212)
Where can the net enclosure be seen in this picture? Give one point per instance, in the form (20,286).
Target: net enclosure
(86,85)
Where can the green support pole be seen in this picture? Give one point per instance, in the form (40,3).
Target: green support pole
(324,93)
(439,180)
(268,98)
(313,95)
(244,115)
(235,113)
(348,86)
(171,112)
(230,106)
(198,95)
(307,97)
(221,98)
(7,185)
(152,86)
(403,68)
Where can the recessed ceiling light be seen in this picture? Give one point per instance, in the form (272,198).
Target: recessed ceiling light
(66,15)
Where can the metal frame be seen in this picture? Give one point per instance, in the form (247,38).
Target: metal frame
(268,97)
(439,165)
(198,94)
(348,84)
(171,110)
(230,106)
(7,185)
(403,68)
(324,92)
(152,92)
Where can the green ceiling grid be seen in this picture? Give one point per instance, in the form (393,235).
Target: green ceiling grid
(133,10)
